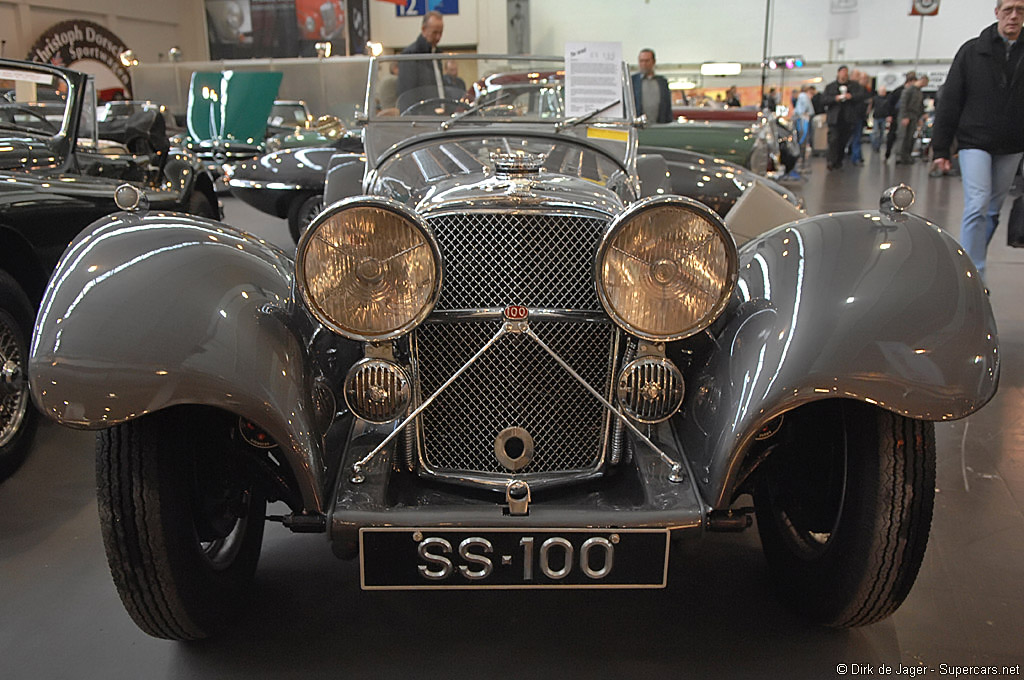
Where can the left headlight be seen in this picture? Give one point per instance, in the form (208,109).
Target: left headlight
(666,268)
(369,269)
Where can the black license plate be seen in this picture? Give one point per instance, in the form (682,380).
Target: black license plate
(394,558)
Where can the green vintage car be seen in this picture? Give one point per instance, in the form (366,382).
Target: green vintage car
(744,136)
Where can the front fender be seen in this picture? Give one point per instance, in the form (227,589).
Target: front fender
(883,309)
(147,312)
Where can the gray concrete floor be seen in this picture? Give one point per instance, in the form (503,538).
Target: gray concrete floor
(60,616)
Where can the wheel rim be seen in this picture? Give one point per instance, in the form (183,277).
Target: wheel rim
(220,553)
(14,396)
(310,210)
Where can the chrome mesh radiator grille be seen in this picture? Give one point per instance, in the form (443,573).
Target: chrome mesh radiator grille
(515,384)
(492,260)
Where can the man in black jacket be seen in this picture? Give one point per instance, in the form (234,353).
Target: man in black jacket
(422,80)
(842,104)
(982,105)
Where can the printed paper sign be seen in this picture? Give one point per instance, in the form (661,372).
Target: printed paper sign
(593,79)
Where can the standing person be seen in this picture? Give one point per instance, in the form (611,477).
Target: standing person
(421,80)
(803,111)
(894,109)
(451,76)
(817,100)
(732,97)
(842,99)
(982,105)
(879,112)
(650,92)
(910,111)
(861,117)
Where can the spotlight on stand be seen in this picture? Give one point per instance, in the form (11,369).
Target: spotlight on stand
(323,49)
(374,48)
(174,54)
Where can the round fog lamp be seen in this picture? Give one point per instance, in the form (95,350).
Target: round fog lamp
(650,389)
(377,390)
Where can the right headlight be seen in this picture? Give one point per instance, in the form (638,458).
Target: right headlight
(369,269)
(666,268)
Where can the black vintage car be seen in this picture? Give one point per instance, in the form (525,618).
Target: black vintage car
(57,176)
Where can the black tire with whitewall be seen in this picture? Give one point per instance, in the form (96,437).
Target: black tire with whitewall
(182,520)
(844,508)
(18,417)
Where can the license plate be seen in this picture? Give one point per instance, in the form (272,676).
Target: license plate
(393,558)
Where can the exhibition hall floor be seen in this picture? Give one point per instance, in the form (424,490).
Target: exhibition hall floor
(60,616)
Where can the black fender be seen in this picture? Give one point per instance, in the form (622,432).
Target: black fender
(344,177)
(147,312)
(884,309)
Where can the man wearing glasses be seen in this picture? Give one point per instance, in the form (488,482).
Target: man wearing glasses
(982,105)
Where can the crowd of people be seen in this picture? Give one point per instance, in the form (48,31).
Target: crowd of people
(979,111)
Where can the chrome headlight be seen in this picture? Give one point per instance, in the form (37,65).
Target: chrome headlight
(369,269)
(666,268)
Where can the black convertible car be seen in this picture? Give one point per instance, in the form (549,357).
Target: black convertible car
(56,176)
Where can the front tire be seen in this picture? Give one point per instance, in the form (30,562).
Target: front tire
(844,507)
(182,522)
(18,418)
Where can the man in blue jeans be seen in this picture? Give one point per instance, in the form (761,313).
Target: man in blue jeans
(982,105)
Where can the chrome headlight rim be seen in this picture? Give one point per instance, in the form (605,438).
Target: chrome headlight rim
(653,203)
(386,204)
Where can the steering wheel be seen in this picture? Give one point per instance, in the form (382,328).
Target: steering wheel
(431,105)
(39,121)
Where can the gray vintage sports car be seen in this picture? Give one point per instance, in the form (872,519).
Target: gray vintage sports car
(507,357)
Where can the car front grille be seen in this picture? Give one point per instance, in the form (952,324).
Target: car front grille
(516,383)
(542,261)
(538,260)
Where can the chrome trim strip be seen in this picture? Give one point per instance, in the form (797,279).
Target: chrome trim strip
(495,313)
(276,186)
(357,468)
(677,468)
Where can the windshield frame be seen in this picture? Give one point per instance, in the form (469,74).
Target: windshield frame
(38,106)
(542,68)
(384,135)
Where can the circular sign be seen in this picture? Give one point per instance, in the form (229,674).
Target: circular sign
(71,42)
(926,7)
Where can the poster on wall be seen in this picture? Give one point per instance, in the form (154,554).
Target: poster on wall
(88,47)
(358,15)
(417,8)
(320,20)
(254,29)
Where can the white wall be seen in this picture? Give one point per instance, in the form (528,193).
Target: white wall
(694,31)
